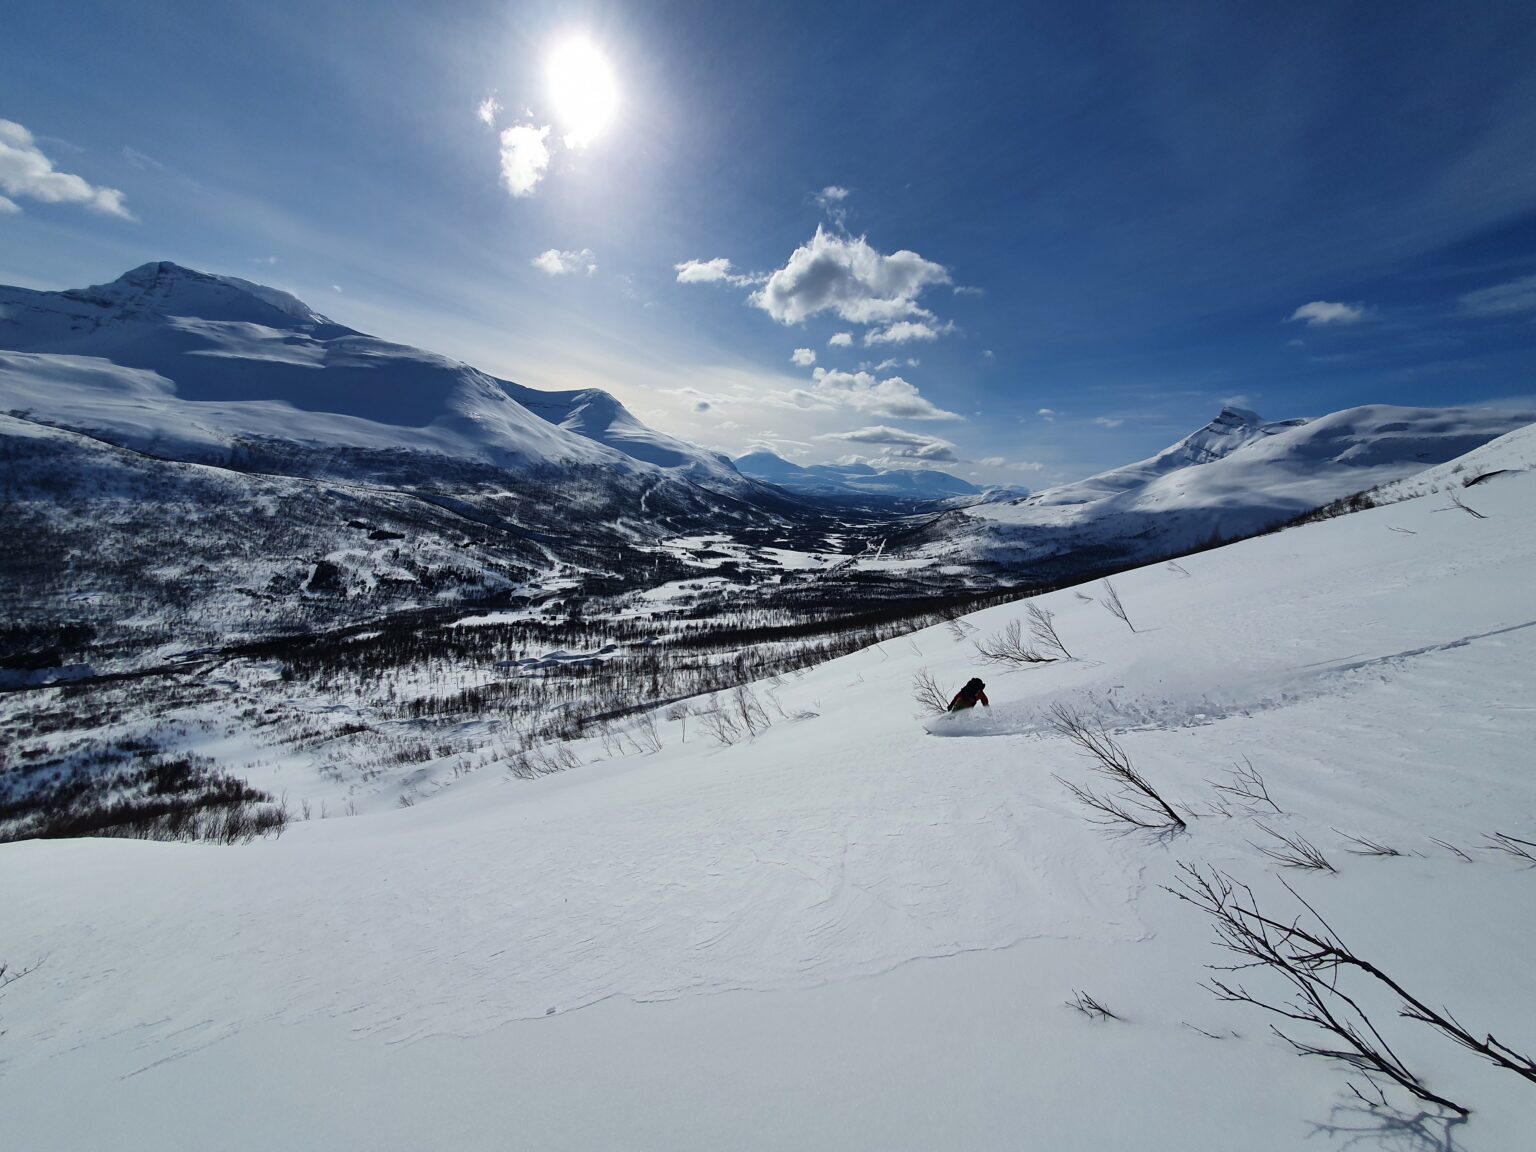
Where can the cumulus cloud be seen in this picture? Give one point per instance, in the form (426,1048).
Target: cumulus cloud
(25,173)
(1047,414)
(554,262)
(841,340)
(803,357)
(524,158)
(716,271)
(894,443)
(848,277)
(488,110)
(892,398)
(1321,312)
(1508,299)
(904,332)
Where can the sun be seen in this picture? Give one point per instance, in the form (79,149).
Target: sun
(583,89)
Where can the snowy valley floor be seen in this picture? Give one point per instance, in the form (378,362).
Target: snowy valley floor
(859,929)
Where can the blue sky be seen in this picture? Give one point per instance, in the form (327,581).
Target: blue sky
(1057,237)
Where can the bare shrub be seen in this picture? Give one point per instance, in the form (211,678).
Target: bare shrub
(1089,1007)
(1042,630)
(1310,956)
(1008,647)
(1458,502)
(1111,601)
(749,710)
(1451,848)
(1247,785)
(1136,804)
(1293,851)
(680,712)
(1512,845)
(1365,846)
(647,733)
(719,725)
(929,696)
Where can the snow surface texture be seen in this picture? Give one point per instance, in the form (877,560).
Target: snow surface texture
(184,364)
(892,920)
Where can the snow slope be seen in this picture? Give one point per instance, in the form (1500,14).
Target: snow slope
(175,361)
(858,929)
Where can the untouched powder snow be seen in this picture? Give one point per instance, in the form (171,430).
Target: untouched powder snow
(859,929)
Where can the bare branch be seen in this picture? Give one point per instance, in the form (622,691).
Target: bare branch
(1008,647)
(1090,1007)
(1138,803)
(1112,602)
(1294,851)
(929,696)
(1247,785)
(1043,632)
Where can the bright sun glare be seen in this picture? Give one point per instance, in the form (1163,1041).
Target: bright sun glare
(582,86)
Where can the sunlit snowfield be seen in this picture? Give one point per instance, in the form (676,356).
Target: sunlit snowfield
(856,928)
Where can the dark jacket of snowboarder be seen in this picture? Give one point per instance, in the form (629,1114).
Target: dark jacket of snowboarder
(969,695)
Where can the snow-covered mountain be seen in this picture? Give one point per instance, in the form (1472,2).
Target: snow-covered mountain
(187,365)
(1234,477)
(854,479)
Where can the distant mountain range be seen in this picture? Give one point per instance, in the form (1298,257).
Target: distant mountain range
(190,458)
(854,479)
(1236,476)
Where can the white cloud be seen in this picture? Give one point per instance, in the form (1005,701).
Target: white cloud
(1108,421)
(488,110)
(1027,466)
(894,443)
(967,290)
(803,357)
(904,332)
(524,158)
(846,276)
(892,398)
(830,200)
(1320,312)
(841,340)
(7,206)
(716,271)
(1506,299)
(988,354)
(26,173)
(554,262)
(992,461)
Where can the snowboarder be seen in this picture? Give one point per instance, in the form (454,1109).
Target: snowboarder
(967,696)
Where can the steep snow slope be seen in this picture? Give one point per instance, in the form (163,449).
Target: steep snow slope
(892,917)
(198,362)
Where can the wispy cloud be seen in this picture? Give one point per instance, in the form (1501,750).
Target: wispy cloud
(8,207)
(892,398)
(524,158)
(848,277)
(1321,312)
(554,262)
(803,357)
(895,443)
(1507,299)
(831,201)
(25,173)
(1108,421)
